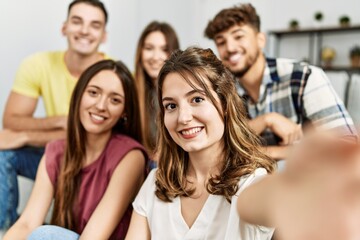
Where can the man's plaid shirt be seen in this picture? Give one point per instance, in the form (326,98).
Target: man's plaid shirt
(300,92)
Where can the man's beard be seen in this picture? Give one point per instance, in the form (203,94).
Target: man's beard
(241,73)
(249,63)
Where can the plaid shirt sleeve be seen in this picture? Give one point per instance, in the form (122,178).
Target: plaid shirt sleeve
(323,107)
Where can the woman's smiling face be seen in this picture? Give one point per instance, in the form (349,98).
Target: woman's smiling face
(191,118)
(102,103)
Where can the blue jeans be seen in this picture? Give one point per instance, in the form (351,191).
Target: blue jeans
(24,162)
(152,165)
(51,232)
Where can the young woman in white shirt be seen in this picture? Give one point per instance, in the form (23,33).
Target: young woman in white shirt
(207,155)
(212,181)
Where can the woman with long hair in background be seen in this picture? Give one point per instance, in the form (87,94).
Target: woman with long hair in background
(157,41)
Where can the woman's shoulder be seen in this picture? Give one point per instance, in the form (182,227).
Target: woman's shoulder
(145,199)
(122,144)
(152,176)
(124,139)
(55,146)
(148,188)
(119,146)
(249,179)
(54,153)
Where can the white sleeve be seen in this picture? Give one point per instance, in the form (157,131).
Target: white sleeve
(249,231)
(246,181)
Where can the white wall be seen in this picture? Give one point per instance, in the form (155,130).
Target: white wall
(24,32)
(26,28)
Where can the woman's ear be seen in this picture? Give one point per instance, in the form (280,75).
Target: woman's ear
(123,118)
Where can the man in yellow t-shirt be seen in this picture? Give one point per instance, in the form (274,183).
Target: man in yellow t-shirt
(52,76)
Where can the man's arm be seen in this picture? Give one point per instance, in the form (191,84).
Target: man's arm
(277,152)
(323,107)
(258,124)
(21,128)
(10,139)
(18,115)
(284,128)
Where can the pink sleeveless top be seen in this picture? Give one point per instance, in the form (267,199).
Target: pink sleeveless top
(94,178)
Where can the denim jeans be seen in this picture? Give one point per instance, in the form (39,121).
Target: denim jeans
(24,162)
(152,165)
(51,232)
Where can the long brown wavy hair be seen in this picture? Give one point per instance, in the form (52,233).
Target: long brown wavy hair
(69,179)
(242,154)
(145,85)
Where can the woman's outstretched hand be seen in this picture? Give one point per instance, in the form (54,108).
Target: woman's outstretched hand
(318,193)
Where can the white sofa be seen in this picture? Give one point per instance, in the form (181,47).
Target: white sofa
(25,187)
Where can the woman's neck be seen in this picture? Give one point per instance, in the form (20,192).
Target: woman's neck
(204,164)
(94,146)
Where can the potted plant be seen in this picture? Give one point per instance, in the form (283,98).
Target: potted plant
(318,16)
(294,24)
(355,56)
(344,21)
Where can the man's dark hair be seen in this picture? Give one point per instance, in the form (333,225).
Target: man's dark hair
(243,14)
(95,3)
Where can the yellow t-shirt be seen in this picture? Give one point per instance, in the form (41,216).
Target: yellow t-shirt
(45,74)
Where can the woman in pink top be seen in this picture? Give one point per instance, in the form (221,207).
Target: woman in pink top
(95,173)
